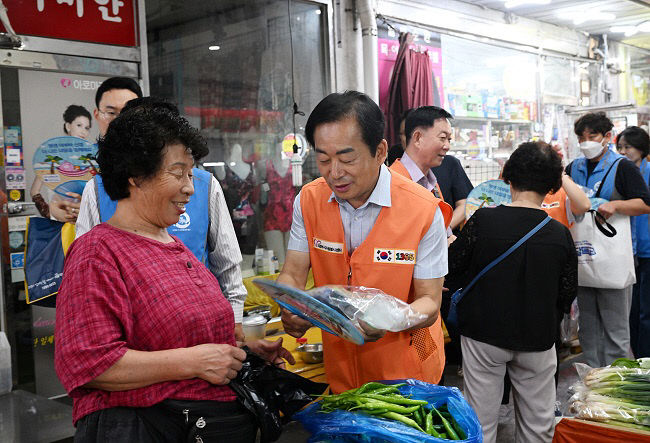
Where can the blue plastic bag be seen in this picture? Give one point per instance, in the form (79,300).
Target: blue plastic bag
(345,426)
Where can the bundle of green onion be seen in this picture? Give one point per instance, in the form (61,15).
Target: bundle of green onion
(618,394)
(384,401)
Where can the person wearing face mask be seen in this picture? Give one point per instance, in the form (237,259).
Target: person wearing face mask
(634,143)
(603,323)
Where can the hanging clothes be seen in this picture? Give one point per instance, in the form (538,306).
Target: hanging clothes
(240,196)
(411,85)
(279,207)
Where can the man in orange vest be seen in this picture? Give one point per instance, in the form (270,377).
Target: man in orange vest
(361,225)
(428,135)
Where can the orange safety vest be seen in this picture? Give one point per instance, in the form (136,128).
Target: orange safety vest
(555,206)
(445,208)
(385,260)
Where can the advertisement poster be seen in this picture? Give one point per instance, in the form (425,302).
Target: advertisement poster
(58,137)
(388,46)
(58,131)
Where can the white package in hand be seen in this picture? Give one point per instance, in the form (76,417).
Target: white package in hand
(370,305)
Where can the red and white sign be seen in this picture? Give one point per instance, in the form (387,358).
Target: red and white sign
(109,22)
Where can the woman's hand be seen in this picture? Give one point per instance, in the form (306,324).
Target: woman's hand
(216,363)
(272,351)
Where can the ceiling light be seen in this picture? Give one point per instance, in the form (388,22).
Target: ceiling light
(515,3)
(580,17)
(629,31)
(644,26)
(317,12)
(214,47)
(208,164)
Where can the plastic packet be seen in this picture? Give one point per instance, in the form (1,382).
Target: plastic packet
(569,325)
(370,305)
(266,391)
(345,426)
(618,395)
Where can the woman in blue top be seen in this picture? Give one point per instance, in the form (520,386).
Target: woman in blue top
(634,143)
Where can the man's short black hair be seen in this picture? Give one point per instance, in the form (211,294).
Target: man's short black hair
(594,121)
(135,142)
(534,166)
(637,138)
(117,83)
(423,117)
(337,107)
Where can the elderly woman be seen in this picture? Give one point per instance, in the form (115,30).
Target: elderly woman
(145,339)
(634,143)
(508,319)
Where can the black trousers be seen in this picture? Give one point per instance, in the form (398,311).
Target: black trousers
(172,421)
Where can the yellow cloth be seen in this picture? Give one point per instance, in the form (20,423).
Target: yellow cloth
(257,297)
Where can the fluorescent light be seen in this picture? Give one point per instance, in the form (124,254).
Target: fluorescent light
(629,31)
(644,27)
(214,47)
(208,164)
(515,3)
(579,17)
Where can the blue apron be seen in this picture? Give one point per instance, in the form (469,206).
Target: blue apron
(579,174)
(192,228)
(640,229)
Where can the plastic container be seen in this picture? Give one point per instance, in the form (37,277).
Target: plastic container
(254,327)
(5,364)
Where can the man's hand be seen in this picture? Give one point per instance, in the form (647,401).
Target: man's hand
(369,333)
(66,210)
(272,351)
(607,209)
(294,325)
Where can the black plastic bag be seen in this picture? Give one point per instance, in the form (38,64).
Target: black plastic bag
(265,390)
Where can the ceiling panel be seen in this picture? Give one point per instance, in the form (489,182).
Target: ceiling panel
(562,12)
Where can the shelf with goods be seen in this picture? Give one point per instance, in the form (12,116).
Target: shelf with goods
(484,144)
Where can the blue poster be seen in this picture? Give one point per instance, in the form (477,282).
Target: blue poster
(489,194)
(65,164)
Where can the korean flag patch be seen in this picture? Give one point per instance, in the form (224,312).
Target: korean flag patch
(384,256)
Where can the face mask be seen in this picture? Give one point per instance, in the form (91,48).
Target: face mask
(591,149)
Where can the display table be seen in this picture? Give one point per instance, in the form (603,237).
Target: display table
(573,430)
(312,371)
(27,417)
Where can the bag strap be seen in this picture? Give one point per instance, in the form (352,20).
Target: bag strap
(601,223)
(507,253)
(602,182)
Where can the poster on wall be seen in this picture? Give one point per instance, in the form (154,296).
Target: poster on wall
(58,147)
(388,46)
(58,131)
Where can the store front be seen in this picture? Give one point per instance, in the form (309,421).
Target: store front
(50,80)
(235,69)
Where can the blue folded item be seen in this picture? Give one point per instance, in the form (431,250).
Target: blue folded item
(345,426)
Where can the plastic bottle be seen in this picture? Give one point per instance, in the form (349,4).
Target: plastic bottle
(276,264)
(5,364)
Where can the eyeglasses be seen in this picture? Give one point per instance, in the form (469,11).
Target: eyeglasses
(108,115)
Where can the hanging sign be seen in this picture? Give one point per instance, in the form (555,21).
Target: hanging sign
(110,22)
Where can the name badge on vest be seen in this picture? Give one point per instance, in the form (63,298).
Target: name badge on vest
(399,256)
(328,246)
(550,205)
